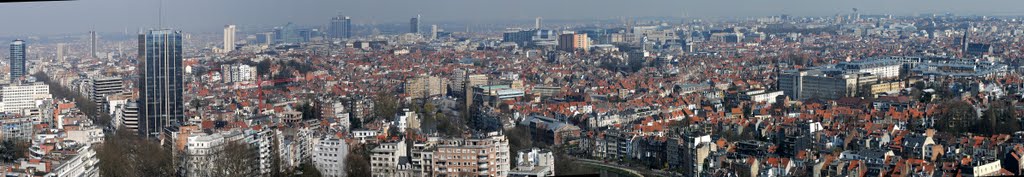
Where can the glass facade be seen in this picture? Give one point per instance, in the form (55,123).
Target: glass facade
(414,25)
(160,99)
(18,59)
(341,27)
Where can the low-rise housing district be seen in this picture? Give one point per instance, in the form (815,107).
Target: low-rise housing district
(864,95)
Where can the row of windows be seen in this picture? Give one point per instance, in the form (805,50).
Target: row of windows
(328,155)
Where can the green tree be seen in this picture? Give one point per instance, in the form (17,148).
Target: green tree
(564,164)
(263,67)
(12,150)
(428,120)
(448,126)
(309,170)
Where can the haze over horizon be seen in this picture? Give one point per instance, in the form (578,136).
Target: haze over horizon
(66,17)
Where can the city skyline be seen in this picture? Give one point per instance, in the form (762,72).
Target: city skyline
(105,16)
(738,88)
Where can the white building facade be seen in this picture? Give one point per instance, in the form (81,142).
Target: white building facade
(329,157)
(19,97)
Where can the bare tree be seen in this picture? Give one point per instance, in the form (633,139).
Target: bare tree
(127,154)
(358,162)
(236,159)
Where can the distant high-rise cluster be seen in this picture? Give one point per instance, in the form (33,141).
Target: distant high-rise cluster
(573,42)
(292,33)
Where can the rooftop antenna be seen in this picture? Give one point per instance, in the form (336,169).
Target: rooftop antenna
(856,15)
(160,15)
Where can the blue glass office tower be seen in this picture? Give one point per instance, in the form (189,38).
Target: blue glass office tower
(18,59)
(341,27)
(160,81)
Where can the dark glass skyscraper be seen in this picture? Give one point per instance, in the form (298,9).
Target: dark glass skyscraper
(160,81)
(92,44)
(414,24)
(341,27)
(18,59)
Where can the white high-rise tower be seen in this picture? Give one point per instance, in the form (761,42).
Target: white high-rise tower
(229,38)
(433,32)
(536,24)
(60,52)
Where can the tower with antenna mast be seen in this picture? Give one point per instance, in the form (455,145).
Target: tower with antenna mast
(965,40)
(414,24)
(160,15)
(856,15)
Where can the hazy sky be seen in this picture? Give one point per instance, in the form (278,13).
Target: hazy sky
(212,15)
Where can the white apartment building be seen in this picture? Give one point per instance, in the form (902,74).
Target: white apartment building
(127,116)
(86,135)
(342,116)
(19,97)
(329,157)
(479,155)
(101,87)
(237,73)
(363,135)
(115,100)
(884,69)
(534,162)
(384,160)
(83,164)
(407,119)
(201,150)
(261,140)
